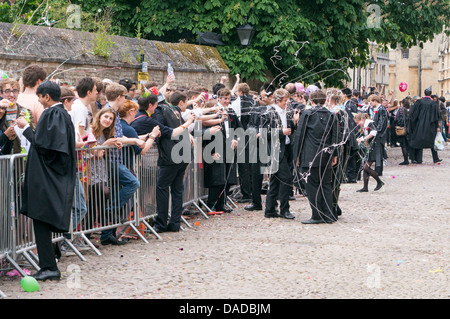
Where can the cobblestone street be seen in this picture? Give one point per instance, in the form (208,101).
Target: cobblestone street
(387,244)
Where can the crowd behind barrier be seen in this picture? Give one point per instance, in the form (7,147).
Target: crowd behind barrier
(90,212)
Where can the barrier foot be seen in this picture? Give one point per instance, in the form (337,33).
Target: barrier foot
(36,258)
(185,221)
(30,260)
(2,295)
(232,202)
(76,251)
(203,203)
(138,233)
(87,241)
(201,210)
(17,267)
(151,229)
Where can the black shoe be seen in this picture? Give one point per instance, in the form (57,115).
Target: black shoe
(244,200)
(253,207)
(43,275)
(227,210)
(404,163)
(362,190)
(438,160)
(112,240)
(413,162)
(271,215)
(158,230)
(173,228)
(287,215)
(316,221)
(379,185)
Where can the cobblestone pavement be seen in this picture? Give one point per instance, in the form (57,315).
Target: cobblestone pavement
(387,244)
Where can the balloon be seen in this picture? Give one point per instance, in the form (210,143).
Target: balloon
(299,87)
(3,75)
(403,87)
(29,284)
(311,88)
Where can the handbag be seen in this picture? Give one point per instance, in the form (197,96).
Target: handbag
(400,131)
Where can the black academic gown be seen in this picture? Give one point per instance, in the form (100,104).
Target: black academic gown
(381,122)
(316,140)
(222,172)
(50,176)
(423,123)
(342,153)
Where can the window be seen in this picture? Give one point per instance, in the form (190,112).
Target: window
(405,54)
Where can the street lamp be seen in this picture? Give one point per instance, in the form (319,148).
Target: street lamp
(245,34)
(373,62)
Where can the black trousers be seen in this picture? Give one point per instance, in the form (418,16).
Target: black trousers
(280,186)
(44,245)
(417,154)
(319,190)
(352,167)
(257,177)
(170,179)
(337,177)
(217,197)
(244,170)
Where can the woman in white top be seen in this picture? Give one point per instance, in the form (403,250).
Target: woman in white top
(368,140)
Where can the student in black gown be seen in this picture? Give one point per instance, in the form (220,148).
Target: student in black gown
(369,141)
(316,140)
(49,184)
(423,127)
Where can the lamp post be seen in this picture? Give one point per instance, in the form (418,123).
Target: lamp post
(373,62)
(245,33)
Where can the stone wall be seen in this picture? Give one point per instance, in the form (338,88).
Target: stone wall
(68,54)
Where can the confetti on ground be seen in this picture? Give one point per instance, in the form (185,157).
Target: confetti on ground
(437,270)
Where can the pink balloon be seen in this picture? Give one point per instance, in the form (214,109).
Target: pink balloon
(403,87)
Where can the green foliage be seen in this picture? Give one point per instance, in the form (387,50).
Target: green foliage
(6,13)
(102,44)
(304,40)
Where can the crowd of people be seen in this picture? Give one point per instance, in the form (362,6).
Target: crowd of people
(300,142)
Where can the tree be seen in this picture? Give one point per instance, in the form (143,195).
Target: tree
(295,40)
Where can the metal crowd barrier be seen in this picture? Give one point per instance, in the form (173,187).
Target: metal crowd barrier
(96,205)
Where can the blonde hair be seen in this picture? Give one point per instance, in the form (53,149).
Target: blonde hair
(280,94)
(375,98)
(359,116)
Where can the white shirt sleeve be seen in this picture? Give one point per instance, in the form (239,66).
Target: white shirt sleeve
(79,115)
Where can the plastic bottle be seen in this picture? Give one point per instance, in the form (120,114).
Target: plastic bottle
(170,69)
